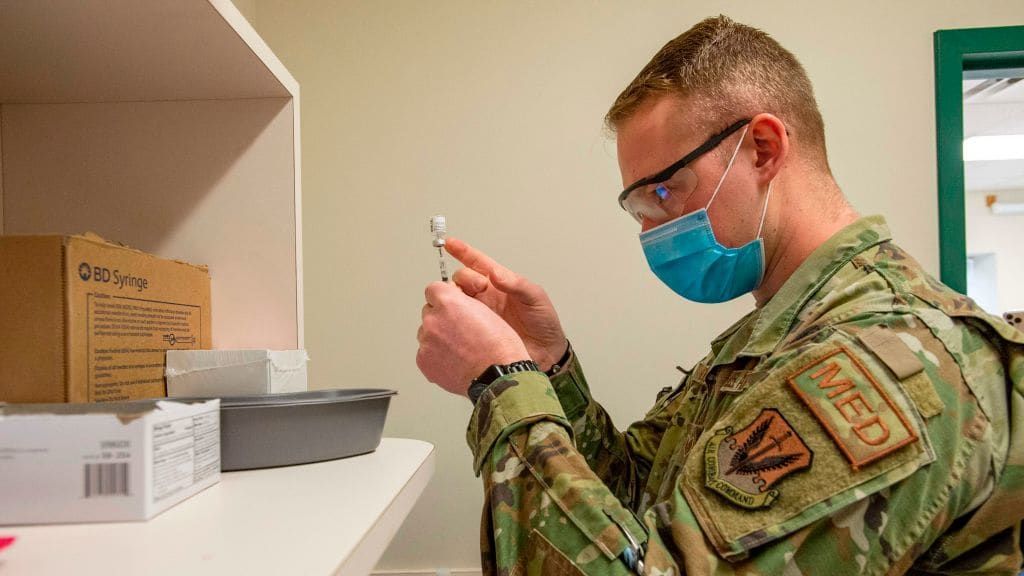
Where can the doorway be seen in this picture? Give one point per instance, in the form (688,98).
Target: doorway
(979,88)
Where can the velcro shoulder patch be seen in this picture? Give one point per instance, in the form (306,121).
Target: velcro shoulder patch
(903,362)
(857,413)
(895,353)
(822,430)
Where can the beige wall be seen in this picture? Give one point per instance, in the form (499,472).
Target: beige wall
(491,114)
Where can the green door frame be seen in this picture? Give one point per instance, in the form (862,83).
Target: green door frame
(974,50)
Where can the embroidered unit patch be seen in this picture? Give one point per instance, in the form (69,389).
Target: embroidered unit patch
(743,466)
(858,415)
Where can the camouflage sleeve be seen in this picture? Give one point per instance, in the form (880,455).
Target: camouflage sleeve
(545,509)
(621,460)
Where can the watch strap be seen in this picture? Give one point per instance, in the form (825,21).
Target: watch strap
(495,371)
(557,366)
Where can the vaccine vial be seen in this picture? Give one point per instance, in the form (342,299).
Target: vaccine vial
(438,229)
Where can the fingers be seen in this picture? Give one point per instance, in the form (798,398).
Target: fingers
(473,258)
(471,281)
(502,278)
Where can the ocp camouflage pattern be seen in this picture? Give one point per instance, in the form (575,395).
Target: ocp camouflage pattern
(908,396)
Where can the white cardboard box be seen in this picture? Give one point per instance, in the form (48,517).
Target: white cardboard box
(104,462)
(206,373)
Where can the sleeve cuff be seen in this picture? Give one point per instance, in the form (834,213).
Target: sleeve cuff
(511,402)
(571,387)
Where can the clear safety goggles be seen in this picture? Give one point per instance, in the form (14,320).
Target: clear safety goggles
(660,197)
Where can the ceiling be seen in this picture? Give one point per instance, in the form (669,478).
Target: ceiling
(993,106)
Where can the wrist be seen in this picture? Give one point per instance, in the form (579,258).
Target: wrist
(507,355)
(555,358)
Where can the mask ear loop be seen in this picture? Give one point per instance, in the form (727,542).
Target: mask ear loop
(764,211)
(760,228)
(728,167)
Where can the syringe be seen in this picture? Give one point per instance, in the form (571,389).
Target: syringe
(439,227)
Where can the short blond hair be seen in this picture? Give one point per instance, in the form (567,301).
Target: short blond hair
(730,71)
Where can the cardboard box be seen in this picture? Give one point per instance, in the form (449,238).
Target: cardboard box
(85,320)
(205,373)
(104,462)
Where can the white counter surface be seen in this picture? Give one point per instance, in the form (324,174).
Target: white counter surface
(332,517)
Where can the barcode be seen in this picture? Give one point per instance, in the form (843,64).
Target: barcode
(107,479)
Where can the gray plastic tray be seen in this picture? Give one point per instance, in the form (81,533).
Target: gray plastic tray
(269,430)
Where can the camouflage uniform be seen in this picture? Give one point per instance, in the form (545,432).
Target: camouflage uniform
(867,420)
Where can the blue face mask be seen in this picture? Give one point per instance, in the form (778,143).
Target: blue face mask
(685,255)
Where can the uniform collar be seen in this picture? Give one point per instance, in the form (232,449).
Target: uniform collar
(760,332)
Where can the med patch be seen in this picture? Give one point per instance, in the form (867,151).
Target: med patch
(742,466)
(857,413)
(829,484)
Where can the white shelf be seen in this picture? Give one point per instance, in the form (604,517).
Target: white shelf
(167,126)
(58,51)
(328,518)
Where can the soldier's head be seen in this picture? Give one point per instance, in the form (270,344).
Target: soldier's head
(713,75)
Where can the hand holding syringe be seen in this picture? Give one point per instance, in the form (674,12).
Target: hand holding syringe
(525,306)
(439,227)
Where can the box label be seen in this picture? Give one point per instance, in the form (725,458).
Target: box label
(106,479)
(126,342)
(107,472)
(186,451)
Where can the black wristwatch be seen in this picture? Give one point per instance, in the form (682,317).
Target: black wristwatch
(495,371)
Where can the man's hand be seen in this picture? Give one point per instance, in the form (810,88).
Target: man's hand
(460,337)
(522,304)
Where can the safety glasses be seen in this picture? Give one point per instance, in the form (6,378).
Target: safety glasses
(660,197)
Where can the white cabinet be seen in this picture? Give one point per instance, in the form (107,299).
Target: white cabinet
(165,125)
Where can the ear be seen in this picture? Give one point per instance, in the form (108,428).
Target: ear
(771,145)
